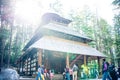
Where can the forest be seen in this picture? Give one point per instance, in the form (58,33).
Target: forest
(16,32)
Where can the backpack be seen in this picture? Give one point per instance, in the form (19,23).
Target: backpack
(75,68)
(105,66)
(111,68)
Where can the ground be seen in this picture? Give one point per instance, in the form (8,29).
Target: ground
(56,77)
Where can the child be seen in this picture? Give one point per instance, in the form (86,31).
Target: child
(51,74)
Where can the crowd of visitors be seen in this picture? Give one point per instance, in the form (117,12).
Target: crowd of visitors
(109,71)
(71,73)
(44,74)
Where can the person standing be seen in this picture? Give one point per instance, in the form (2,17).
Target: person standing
(51,74)
(42,72)
(71,73)
(75,69)
(105,71)
(112,71)
(39,73)
(67,74)
(109,76)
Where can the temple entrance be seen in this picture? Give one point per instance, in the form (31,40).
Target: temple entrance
(55,61)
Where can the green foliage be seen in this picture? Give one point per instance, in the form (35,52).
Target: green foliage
(82,21)
(72,56)
(56,6)
(98,30)
(16,53)
(4,33)
(117,34)
(117,30)
(117,3)
(4,36)
(106,36)
(20,38)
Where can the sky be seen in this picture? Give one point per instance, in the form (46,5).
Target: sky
(28,7)
(104,7)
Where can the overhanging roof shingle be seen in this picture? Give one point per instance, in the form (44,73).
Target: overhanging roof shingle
(65,29)
(58,28)
(62,46)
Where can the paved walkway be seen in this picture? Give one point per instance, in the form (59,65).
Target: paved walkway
(56,77)
(27,78)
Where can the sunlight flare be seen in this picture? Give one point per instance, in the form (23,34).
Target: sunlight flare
(28,10)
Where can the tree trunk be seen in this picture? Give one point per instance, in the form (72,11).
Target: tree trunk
(9,51)
(2,51)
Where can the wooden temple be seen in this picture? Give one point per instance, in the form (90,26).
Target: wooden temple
(55,45)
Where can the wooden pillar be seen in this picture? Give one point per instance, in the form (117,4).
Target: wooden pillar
(27,66)
(40,57)
(21,65)
(98,64)
(67,60)
(30,66)
(85,60)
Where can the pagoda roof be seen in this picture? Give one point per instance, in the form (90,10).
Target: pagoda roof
(55,24)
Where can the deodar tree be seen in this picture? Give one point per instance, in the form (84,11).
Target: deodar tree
(117,29)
